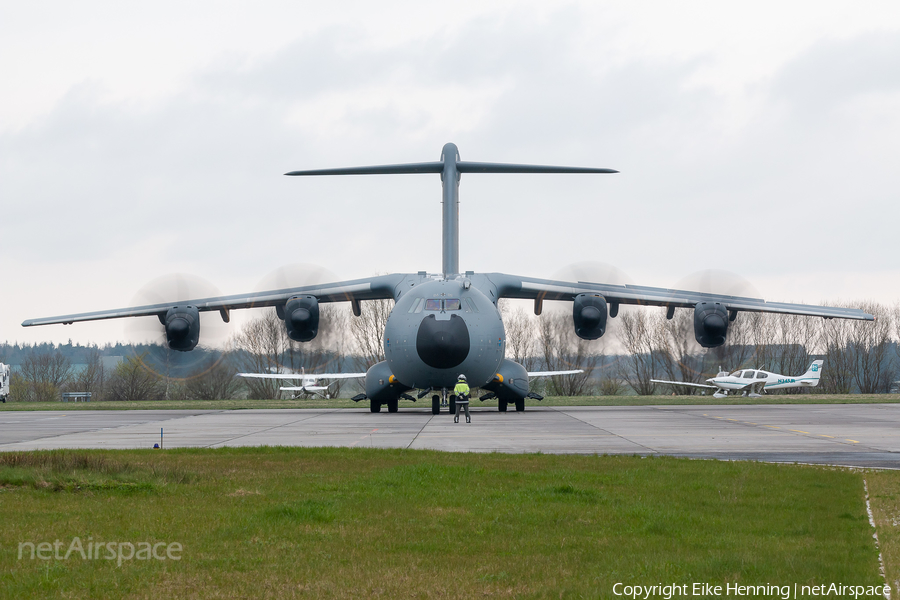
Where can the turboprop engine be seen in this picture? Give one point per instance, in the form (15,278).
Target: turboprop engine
(301,317)
(710,324)
(589,312)
(182,325)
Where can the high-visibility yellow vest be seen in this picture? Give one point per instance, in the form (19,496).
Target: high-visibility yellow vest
(461,388)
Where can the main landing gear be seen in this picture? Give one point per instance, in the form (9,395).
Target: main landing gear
(393,406)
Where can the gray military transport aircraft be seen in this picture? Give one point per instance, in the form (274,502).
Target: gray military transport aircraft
(445,324)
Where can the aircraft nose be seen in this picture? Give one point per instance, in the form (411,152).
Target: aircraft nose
(443,344)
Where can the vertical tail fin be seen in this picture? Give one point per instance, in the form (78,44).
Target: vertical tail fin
(811,377)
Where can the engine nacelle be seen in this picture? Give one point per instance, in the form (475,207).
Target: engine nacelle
(710,324)
(589,312)
(182,325)
(301,318)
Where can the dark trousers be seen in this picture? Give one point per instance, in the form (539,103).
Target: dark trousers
(464,405)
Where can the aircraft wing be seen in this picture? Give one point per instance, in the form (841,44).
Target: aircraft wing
(301,376)
(552,373)
(699,385)
(370,288)
(530,288)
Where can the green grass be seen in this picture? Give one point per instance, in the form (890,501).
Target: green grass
(426,402)
(359,523)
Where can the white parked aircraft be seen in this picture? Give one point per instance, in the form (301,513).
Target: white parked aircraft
(4,382)
(309,382)
(754,382)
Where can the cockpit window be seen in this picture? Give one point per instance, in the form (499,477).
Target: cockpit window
(471,305)
(748,374)
(736,374)
(761,375)
(436,304)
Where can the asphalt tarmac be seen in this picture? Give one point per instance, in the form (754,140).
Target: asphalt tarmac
(862,435)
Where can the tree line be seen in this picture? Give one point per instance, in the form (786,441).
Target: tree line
(641,344)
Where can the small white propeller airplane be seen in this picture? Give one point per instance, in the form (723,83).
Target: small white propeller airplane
(309,382)
(754,382)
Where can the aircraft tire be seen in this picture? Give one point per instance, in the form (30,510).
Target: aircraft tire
(393,406)
(374,406)
(520,405)
(501,404)
(435,405)
(451,405)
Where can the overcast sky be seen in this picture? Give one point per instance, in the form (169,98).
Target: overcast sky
(140,140)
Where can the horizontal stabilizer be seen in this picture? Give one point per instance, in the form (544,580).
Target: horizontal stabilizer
(411,168)
(303,388)
(486,167)
(437,167)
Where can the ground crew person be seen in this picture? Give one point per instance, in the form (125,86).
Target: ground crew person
(462,398)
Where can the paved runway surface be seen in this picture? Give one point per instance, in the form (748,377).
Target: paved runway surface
(865,435)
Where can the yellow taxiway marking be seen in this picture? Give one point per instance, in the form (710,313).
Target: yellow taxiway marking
(776,427)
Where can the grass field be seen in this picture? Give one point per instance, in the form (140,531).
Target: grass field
(358,523)
(425,402)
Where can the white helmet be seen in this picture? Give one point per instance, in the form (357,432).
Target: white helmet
(462,377)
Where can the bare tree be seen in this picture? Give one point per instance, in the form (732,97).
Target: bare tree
(563,350)
(133,381)
(874,367)
(92,378)
(368,330)
(837,372)
(638,332)
(259,347)
(215,381)
(677,349)
(796,337)
(263,346)
(521,342)
(44,375)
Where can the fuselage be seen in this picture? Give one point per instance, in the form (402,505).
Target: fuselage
(440,328)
